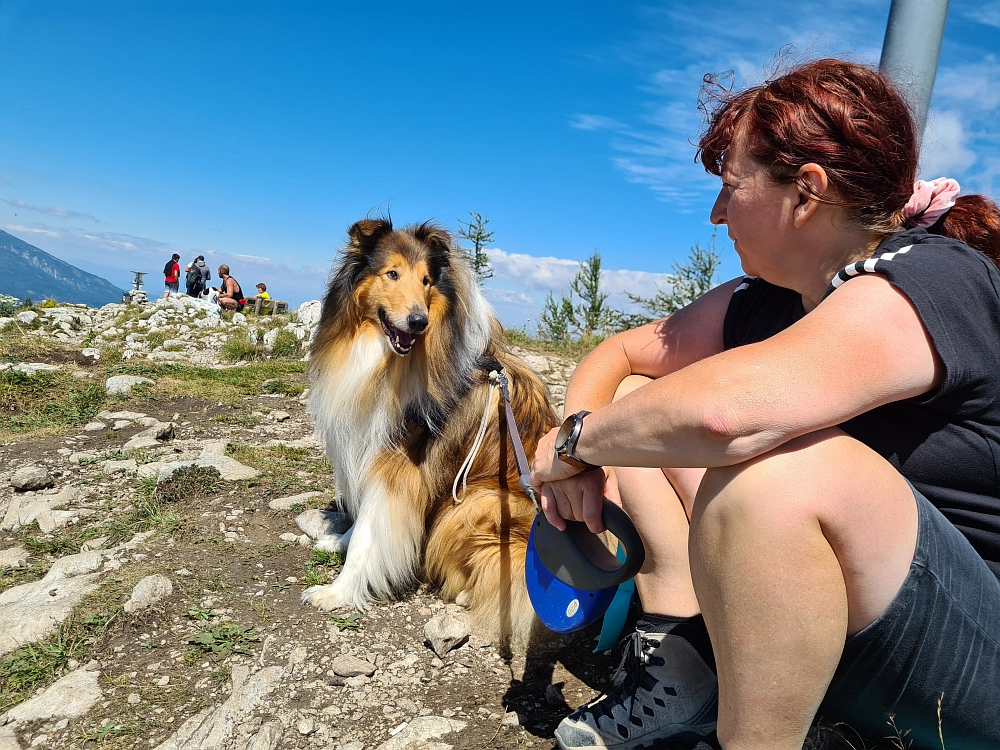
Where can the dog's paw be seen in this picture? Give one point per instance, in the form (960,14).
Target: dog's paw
(326,597)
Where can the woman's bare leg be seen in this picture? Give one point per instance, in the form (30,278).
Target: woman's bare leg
(790,553)
(655,506)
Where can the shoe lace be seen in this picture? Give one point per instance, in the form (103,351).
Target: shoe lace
(631,674)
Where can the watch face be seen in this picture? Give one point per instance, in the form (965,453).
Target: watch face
(565,431)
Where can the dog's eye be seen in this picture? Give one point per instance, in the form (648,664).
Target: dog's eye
(393,275)
(427,281)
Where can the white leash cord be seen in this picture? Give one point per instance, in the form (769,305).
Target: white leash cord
(466,467)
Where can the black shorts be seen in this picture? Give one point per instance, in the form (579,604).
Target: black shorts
(938,639)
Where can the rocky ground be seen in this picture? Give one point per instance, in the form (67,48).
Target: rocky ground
(157,506)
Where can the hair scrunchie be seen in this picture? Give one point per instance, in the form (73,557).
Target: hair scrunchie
(930,200)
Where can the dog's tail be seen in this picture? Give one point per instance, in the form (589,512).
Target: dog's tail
(476,555)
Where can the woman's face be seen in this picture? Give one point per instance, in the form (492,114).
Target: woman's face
(757,215)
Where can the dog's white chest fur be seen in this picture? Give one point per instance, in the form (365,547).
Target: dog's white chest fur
(356,415)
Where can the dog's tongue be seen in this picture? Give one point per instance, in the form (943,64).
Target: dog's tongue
(405,340)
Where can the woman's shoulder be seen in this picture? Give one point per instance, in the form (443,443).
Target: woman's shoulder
(916,257)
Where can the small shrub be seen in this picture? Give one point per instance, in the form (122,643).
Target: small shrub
(189,481)
(223,640)
(8,305)
(286,345)
(239,348)
(49,303)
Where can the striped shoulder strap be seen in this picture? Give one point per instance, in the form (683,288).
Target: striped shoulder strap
(865,266)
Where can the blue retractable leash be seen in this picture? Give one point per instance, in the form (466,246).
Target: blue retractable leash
(572,576)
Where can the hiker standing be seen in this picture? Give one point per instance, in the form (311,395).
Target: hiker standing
(172,275)
(230,293)
(197,276)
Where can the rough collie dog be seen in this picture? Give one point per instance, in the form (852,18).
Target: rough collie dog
(399,387)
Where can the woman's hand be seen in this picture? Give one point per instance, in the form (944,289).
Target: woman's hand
(566,492)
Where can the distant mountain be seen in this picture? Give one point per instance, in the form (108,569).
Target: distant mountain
(27,271)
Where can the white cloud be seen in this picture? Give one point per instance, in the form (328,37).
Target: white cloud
(548,274)
(33,230)
(973,86)
(57,211)
(944,151)
(986,13)
(594,122)
(508,297)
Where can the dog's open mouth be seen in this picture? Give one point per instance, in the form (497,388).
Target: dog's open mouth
(401,341)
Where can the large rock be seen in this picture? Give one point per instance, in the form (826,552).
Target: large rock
(445,632)
(14,557)
(286,503)
(31,611)
(229,469)
(31,478)
(68,697)
(27,317)
(310,312)
(214,728)
(149,591)
(420,733)
(351,666)
(316,523)
(123,384)
(33,368)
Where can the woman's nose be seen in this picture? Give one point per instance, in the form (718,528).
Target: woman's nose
(718,215)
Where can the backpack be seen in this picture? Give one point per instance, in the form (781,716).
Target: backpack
(168,269)
(193,277)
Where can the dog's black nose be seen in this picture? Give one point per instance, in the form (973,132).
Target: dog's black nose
(417,322)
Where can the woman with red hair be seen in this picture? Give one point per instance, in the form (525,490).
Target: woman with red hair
(811,453)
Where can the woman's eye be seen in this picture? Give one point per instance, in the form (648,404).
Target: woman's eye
(393,275)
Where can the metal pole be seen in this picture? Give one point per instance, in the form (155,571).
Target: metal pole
(911,50)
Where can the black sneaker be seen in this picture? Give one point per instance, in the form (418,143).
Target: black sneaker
(666,698)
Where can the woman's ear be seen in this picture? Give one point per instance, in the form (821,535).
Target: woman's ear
(813,184)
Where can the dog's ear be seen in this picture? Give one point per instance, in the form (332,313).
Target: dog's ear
(366,233)
(435,237)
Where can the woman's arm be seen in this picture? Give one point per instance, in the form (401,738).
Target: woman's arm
(653,350)
(862,347)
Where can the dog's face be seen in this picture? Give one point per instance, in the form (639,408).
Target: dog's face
(400,275)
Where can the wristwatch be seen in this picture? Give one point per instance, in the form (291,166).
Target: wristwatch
(567,438)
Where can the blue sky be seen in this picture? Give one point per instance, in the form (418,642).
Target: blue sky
(255,133)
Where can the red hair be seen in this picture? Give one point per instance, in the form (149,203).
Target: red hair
(853,122)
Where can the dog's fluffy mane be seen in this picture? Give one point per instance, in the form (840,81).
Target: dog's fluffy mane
(454,346)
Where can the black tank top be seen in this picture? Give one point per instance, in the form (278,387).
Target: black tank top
(945,442)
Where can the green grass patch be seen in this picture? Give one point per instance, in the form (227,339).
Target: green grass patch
(320,566)
(277,385)
(225,385)
(156,339)
(46,400)
(286,345)
(38,665)
(575,350)
(27,572)
(239,348)
(146,514)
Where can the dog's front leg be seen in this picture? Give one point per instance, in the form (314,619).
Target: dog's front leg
(383,557)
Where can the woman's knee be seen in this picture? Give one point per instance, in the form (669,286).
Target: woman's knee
(779,483)
(629,384)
